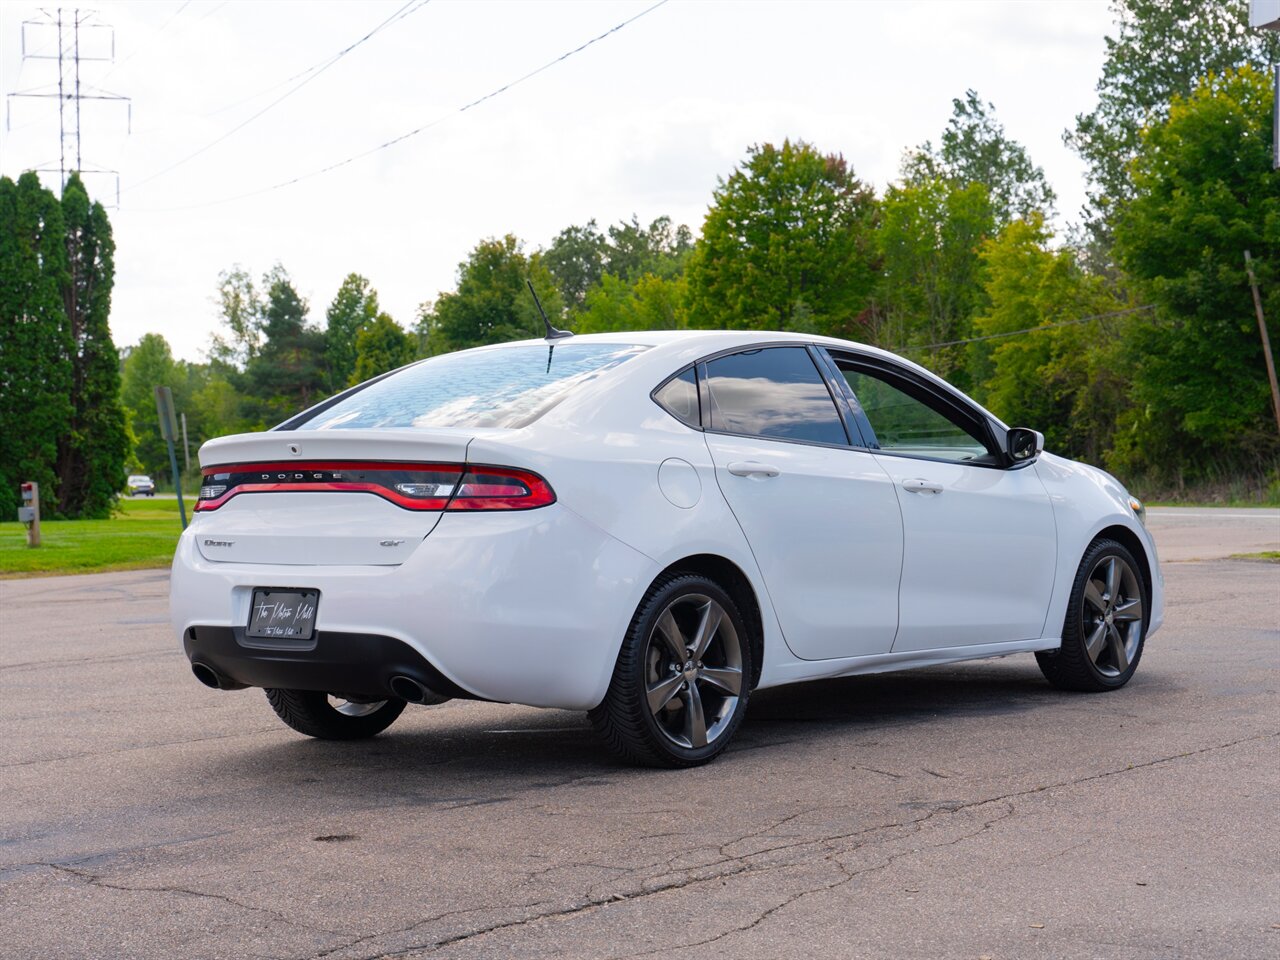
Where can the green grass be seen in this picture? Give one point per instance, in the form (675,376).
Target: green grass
(141,535)
(1272,555)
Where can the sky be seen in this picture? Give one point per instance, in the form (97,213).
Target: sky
(642,122)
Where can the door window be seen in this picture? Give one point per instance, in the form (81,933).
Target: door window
(773,392)
(905,424)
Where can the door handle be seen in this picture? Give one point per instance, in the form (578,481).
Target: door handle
(749,468)
(922,486)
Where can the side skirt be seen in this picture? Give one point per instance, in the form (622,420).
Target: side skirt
(795,671)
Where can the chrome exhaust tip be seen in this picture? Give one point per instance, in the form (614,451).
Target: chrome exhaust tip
(212,678)
(414,691)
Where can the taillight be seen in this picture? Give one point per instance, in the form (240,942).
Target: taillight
(414,486)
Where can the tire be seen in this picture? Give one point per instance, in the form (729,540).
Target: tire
(1106,624)
(667,711)
(312,713)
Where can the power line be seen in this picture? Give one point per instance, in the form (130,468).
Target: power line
(400,14)
(165,26)
(1043,326)
(417,130)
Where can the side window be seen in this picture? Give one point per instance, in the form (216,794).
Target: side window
(773,392)
(679,397)
(906,425)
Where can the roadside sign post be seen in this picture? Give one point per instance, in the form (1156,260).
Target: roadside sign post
(29,512)
(169,430)
(1266,340)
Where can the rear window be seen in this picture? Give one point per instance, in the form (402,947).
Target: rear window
(496,387)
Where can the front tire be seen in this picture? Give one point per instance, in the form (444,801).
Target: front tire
(1106,624)
(328,717)
(682,679)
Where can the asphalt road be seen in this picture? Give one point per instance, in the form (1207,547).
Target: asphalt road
(961,812)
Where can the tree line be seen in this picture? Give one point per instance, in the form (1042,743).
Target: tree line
(1130,341)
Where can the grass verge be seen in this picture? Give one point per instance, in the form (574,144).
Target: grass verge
(1272,555)
(142,535)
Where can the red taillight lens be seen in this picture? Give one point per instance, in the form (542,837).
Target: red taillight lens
(413,486)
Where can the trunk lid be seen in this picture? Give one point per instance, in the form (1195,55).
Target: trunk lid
(320,498)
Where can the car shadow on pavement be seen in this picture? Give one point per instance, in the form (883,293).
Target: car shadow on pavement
(430,753)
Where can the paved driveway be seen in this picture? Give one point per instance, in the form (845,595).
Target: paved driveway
(959,812)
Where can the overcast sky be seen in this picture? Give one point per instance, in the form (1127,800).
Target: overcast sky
(642,122)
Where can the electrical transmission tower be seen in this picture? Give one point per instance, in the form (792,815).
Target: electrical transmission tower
(67,27)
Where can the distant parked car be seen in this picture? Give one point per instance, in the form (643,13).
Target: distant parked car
(649,526)
(140,483)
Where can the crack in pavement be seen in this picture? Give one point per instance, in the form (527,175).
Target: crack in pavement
(749,863)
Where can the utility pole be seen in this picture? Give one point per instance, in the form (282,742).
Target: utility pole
(1266,340)
(67,28)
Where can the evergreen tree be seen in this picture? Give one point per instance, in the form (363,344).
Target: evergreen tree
(354,307)
(93,451)
(286,375)
(35,371)
(381,346)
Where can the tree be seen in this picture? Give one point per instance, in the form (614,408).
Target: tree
(381,346)
(786,245)
(242,308)
(929,241)
(492,303)
(661,249)
(354,306)
(287,373)
(35,375)
(1204,192)
(1064,378)
(651,303)
(575,259)
(93,450)
(976,150)
(1161,50)
(146,366)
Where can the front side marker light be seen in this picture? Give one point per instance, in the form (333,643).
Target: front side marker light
(1139,510)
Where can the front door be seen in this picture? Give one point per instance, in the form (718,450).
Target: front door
(980,545)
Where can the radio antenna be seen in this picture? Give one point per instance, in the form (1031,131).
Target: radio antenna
(552,332)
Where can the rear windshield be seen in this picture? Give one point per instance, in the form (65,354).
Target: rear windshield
(496,387)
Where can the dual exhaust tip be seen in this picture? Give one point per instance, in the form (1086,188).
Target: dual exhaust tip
(402,686)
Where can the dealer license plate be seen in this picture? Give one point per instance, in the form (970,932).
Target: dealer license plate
(283,614)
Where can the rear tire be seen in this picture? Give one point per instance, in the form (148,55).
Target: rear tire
(1106,624)
(312,713)
(682,679)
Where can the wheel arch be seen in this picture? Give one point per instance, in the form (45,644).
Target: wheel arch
(1131,542)
(738,585)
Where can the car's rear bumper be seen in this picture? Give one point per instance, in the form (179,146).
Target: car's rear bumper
(524,607)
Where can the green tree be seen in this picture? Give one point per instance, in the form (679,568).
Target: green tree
(492,303)
(651,303)
(354,306)
(1204,192)
(242,308)
(381,346)
(662,249)
(576,261)
(287,373)
(93,451)
(976,150)
(35,372)
(147,365)
(929,241)
(1064,379)
(787,244)
(1161,50)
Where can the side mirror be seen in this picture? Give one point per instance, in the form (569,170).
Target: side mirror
(1024,445)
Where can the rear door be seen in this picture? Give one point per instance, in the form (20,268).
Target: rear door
(980,544)
(819,512)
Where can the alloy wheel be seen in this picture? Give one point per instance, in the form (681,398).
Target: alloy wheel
(355,708)
(1112,616)
(693,671)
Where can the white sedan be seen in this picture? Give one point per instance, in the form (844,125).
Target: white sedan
(648,527)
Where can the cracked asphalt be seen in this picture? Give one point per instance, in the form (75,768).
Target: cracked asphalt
(957,812)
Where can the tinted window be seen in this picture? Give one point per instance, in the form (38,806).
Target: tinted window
(775,392)
(508,386)
(906,425)
(679,397)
